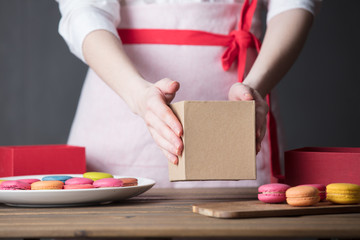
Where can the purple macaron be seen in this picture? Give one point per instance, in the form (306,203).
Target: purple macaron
(273,193)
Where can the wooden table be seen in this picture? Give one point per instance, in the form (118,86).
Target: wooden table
(163,213)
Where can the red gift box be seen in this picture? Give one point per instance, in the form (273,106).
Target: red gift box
(323,165)
(41,159)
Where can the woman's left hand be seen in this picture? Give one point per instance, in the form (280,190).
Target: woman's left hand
(242,92)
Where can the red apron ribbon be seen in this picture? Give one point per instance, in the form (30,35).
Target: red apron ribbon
(173,37)
(241,41)
(237,43)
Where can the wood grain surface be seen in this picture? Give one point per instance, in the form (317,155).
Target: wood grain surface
(256,208)
(162,213)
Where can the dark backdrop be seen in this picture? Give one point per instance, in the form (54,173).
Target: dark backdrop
(40,80)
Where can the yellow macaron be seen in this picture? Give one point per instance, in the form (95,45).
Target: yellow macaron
(343,193)
(97,175)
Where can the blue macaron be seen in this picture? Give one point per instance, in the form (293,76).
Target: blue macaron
(56,178)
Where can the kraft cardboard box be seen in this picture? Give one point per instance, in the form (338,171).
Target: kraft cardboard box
(219,141)
(322,165)
(41,159)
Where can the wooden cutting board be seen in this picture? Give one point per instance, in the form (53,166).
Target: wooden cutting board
(255,208)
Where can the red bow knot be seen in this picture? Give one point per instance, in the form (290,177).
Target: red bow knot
(240,41)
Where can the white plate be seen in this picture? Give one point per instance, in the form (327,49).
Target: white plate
(70,197)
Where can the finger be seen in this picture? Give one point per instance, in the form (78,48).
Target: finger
(169,97)
(172,158)
(167,86)
(162,142)
(260,134)
(260,129)
(163,112)
(260,118)
(258,147)
(165,137)
(164,145)
(261,113)
(240,92)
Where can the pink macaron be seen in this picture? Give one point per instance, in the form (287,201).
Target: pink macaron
(14,185)
(273,193)
(321,188)
(79,186)
(78,181)
(108,182)
(29,180)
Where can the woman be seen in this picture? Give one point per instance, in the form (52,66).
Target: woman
(123,118)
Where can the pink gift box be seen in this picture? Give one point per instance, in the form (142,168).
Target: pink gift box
(322,165)
(41,159)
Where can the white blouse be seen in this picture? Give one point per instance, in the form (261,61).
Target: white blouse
(81,17)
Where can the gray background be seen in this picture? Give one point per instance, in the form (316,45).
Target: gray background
(40,80)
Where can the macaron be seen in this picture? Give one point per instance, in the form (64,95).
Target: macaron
(273,192)
(343,193)
(301,196)
(108,182)
(29,180)
(128,182)
(56,178)
(14,185)
(97,175)
(321,188)
(3,180)
(79,186)
(78,181)
(47,185)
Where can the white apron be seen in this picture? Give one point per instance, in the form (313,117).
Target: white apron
(118,141)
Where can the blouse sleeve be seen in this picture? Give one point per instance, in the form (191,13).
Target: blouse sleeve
(278,6)
(80,17)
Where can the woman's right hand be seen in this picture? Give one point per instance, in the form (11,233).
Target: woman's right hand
(164,126)
(150,101)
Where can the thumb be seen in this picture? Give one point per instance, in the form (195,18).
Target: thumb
(168,87)
(240,92)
